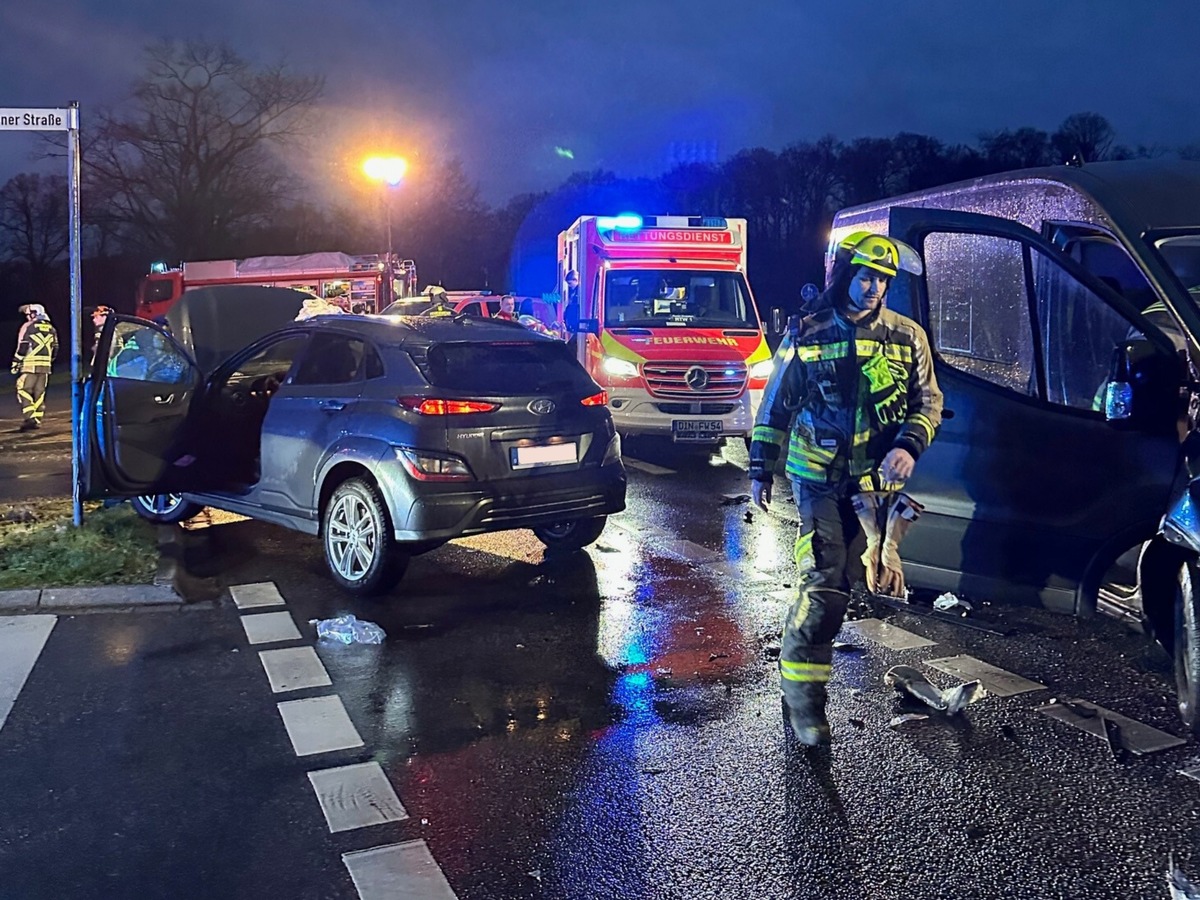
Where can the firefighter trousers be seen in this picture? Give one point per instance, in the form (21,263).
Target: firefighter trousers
(828,553)
(31,394)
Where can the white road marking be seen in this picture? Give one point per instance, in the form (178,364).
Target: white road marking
(22,639)
(249,596)
(318,725)
(356,796)
(293,669)
(648,468)
(269,628)
(404,871)
(998,681)
(889,635)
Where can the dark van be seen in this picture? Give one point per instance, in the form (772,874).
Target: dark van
(1062,307)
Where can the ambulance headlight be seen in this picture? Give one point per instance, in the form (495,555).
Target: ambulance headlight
(762,369)
(619,368)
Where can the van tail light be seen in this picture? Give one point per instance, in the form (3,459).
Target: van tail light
(600,399)
(425,466)
(433,406)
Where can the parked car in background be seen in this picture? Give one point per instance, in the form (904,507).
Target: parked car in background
(385,436)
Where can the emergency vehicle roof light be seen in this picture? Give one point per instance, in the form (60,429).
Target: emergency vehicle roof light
(624,222)
(158,268)
(713,222)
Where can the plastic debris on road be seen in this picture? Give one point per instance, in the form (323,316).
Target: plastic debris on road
(905,719)
(349,630)
(948,602)
(1181,886)
(910,682)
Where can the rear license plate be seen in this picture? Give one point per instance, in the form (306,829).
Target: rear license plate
(548,455)
(696,429)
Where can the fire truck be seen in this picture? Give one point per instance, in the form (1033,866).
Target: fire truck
(356,283)
(667,323)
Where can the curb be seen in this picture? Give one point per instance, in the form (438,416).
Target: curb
(164,593)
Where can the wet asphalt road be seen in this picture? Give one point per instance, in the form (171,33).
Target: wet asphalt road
(603,726)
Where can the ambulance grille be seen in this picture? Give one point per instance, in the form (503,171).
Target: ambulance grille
(670,379)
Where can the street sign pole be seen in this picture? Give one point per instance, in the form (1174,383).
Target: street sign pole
(76,316)
(24,119)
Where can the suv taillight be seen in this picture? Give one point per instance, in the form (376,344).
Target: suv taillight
(600,399)
(425,466)
(433,406)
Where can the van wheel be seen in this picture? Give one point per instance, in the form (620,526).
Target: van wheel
(360,548)
(1187,646)
(567,537)
(166,509)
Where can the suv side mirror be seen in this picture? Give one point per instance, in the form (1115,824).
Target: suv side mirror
(588,326)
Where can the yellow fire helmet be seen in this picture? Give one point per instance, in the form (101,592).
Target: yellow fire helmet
(886,255)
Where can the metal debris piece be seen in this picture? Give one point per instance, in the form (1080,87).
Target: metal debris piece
(910,682)
(1193,772)
(890,636)
(905,719)
(734,499)
(536,875)
(847,647)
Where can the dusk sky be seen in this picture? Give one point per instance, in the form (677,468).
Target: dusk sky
(618,83)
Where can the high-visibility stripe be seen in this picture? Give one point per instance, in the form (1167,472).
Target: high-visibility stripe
(803,550)
(802,609)
(814,352)
(924,422)
(768,434)
(899,352)
(793,671)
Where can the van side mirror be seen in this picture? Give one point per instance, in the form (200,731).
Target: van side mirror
(776,320)
(588,326)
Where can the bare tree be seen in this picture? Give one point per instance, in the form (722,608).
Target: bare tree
(1020,149)
(1087,136)
(33,223)
(192,163)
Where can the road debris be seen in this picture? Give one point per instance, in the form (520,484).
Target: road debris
(748,518)
(1181,886)
(348,629)
(846,647)
(910,682)
(712,657)
(905,719)
(948,602)
(857,723)
(734,499)
(1130,735)
(1192,771)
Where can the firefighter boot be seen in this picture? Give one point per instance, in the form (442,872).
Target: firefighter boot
(808,731)
(870,507)
(901,513)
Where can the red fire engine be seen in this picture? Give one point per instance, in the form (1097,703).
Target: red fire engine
(677,339)
(356,283)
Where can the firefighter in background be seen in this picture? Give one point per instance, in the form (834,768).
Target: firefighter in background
(37,345)
(441,306)
(857,402)
(99,316)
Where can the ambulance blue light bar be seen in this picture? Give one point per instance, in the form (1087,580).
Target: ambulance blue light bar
(622,222)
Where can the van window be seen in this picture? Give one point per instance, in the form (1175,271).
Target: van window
(1078,333)
(978,308)
(1101,255)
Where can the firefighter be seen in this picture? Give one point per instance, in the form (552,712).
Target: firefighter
(99,316)
(37,345)
(857,402)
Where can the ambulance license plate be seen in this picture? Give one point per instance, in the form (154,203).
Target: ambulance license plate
(696,429)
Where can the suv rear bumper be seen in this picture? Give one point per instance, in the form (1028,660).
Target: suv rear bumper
(440,512)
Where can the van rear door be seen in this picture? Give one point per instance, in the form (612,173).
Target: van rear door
(1029,493)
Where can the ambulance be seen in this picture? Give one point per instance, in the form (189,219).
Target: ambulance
(666,322)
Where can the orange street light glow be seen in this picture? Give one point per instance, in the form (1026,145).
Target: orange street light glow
(386,168)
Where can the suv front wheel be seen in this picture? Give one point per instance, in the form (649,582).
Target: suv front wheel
(166,509)
(567,537)
(1187,646)
(360,549)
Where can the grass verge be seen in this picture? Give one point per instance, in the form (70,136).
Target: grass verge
(40,547)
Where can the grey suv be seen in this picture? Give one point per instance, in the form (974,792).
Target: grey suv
(386,437)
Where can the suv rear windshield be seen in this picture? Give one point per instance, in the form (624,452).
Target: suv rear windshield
(506,369)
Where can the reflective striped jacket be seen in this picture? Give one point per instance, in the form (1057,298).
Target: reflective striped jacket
(36,347)
(844,396)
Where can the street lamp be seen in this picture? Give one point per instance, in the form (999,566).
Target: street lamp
(390,171)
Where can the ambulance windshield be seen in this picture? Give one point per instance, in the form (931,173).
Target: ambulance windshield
(677,297)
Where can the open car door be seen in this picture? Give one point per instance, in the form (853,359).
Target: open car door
(135,404)
(1029,492)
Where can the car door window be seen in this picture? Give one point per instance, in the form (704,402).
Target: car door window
(331,359)
(263,372)
(372,364)
(1078,333)
(144,353)
(978,307)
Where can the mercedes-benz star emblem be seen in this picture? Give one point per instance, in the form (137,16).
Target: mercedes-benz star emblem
(696,378)
(542,407)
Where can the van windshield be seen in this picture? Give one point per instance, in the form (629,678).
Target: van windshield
(1181,252)
(677,297)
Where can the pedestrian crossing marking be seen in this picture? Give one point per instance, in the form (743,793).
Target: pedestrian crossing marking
(22,639)
(293,669)
(250,596)
(407,869)
(270,628)
(356,796)
(888,635)
(318,725)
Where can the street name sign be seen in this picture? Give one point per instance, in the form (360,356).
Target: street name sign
(36,119)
